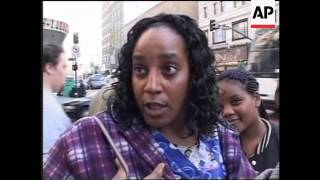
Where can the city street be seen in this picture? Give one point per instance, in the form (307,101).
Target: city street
(89,95)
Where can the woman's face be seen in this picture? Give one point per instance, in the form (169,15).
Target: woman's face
(58,73)
(239,107)
(160,77)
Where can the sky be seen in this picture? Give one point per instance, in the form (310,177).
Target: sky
(135,8)
(82,17)
(85,17)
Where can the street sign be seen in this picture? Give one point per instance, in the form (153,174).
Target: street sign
(75,51)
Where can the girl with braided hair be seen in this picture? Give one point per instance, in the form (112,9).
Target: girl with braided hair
(242,108)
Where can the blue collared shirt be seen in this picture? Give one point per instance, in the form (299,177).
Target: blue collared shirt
(55,121)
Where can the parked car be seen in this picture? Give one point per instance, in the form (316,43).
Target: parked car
(96,81)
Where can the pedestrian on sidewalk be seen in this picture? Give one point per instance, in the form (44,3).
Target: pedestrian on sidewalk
(241,103)
(55,121)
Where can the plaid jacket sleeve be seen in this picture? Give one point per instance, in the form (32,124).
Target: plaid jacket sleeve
(238,166)
(56,166)
(83,152)
(80,153)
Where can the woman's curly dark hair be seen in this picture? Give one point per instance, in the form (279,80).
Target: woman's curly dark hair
(203,107)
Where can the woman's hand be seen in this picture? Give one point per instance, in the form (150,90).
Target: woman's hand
(155,174)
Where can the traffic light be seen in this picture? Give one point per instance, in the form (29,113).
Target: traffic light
(75,38)
(212,25)
(74,67)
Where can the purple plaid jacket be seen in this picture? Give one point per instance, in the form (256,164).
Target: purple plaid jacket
(83,152)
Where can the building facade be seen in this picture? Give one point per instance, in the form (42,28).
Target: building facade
(189,8)
(114,30)
(112,35)
(54,31)
(230,48)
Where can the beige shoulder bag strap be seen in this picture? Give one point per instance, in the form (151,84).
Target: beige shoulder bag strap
(107,135)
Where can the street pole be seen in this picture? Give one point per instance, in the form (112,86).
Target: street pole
(213,26)
(75,72)
(225,27)
(76,50)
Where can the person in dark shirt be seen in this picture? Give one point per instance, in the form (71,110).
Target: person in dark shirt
(241,103)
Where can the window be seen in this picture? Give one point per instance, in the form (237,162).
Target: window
(221,7)
(218,36)
(241,26)
(215,8)
(243,2)
(205,12)
(234,4)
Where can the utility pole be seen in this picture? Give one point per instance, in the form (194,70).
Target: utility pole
(213,26)
(225,27)
(75,54)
